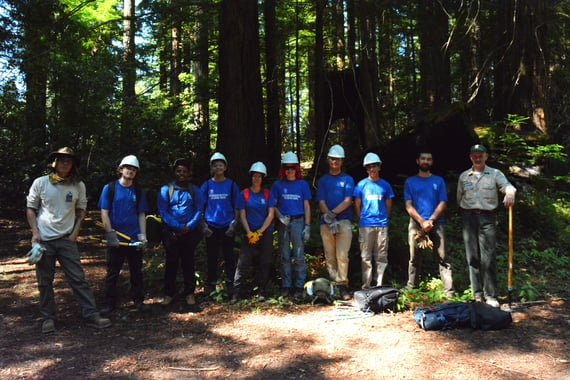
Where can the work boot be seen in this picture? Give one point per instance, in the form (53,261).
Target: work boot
(190,299)
(48,326)
(492,301)
(107,310)
(284,292)
(98,322)
(167,300)
(299,295)
(344,293)
(235,299)
(478,298)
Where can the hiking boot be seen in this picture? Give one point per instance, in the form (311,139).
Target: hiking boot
(142,307)
(98,322)
(478,298)
(299,294)
(260,297)
(167,300)
(284,292)
(209,290)
(107,310)
(492,301)
(449,295)
(190,299)
(344,293)
(48,326)
(235,299)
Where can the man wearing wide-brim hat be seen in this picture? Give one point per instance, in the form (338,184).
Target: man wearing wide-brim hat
(56,206)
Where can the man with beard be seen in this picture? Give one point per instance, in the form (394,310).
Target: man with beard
(425,198)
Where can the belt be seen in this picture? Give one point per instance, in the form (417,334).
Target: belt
(293,217)
(478,211)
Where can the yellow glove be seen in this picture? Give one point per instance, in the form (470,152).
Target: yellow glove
(423,241)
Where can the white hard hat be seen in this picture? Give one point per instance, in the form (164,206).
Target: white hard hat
(130,160)
(336,151)
(218,156)
(371,158)
(289,158)
(258,167)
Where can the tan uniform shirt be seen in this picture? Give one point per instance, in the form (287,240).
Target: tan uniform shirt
(480,192)
(56,205)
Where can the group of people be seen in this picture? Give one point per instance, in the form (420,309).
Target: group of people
(56,205)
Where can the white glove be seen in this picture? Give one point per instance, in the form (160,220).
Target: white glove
(232,228)
(509,199)
(307,233)
(286,220)
(207,231)
(142,239)
(112,239)
(35,254)
(329,216)
(333,226)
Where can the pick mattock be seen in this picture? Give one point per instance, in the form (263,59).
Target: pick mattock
(510,269)
(126,237)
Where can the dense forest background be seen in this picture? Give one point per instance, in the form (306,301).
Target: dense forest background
(164,79)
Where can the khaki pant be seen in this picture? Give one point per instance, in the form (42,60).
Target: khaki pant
(373,247)
(336,249)
(437,236)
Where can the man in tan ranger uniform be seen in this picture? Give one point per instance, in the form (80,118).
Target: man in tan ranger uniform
(478,199)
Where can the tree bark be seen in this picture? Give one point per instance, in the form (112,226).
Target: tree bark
(240,124)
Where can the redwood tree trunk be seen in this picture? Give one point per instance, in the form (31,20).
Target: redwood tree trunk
(240,122)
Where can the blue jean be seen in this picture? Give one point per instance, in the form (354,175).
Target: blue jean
(65,251)
(292,251)
(479,236)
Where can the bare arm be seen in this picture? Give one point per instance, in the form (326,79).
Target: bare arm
(307,208)
(357,207)
(388,206)
(106,219)
(31,216)
(268,219)
(244,222)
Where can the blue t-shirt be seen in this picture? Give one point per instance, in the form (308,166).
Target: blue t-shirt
(373,194)
(220,202)
(289,196)
(256,209)
(333,189)
(180,209)
(124,214)
(425,193)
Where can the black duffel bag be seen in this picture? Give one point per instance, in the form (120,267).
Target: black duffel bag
(377,299)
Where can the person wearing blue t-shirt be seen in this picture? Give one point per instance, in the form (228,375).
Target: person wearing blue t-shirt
(292,196)
(334,197)
(180,205)
(123,208)
(372,204)
(256,210)
(425,197)
(221,219)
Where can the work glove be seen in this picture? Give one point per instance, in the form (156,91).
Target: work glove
(232,228)
(35,254)
(509,199)
(307,233)
(329,217)
(423,241)
(253,237)
(285,220)
(207,231)
(142,239)
(111,239)
(333,226)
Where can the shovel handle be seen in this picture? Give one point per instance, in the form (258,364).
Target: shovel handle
(510,269)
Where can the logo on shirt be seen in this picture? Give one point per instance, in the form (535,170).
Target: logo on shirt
(69,197)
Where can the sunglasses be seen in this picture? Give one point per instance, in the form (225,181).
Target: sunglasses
(289,168)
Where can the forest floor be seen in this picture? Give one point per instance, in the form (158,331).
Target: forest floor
(255,340)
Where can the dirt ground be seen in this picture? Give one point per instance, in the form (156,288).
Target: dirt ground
(256,341)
